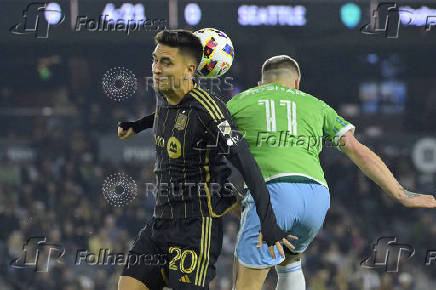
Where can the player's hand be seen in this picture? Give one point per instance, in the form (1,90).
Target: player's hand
(416,200)
(125,130)
(277,244)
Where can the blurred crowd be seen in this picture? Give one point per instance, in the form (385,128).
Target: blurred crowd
(58,195)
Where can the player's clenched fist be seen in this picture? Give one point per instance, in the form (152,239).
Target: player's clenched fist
(125,130)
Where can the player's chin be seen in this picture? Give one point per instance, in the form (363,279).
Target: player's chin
(161,88)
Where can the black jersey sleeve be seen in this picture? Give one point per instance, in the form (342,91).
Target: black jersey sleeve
(218,123)
(139,125)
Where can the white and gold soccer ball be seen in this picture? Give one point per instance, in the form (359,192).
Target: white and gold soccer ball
(218,52)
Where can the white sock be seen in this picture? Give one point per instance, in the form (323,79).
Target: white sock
(290,277)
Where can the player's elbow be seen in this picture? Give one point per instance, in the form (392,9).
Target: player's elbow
(353,148)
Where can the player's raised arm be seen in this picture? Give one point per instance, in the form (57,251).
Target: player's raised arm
(373,167)
(340,132)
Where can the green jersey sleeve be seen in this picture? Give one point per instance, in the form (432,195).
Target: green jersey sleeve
(232,106)
(334,125)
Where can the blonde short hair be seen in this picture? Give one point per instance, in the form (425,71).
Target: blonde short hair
(279,63)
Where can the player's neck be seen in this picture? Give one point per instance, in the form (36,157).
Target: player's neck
(174,97)
(286,83)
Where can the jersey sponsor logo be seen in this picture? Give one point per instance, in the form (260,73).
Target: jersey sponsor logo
(181,121)
(174,148)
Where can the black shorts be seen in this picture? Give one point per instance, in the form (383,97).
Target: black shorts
(176,253)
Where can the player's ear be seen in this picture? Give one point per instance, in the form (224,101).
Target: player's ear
(190,72)
(297,83)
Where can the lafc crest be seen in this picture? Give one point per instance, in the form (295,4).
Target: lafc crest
(181,121)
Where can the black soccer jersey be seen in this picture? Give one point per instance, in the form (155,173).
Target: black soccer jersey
(192,139)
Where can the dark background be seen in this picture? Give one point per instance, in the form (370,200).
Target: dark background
(59,143)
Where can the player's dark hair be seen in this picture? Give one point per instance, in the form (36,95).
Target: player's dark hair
(281,62)
(185,40)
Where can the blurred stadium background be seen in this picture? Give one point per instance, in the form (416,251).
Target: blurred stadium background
(59,142)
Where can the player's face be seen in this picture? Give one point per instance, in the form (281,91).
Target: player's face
(170,68)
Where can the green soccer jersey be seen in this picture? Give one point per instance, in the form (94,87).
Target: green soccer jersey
(285,129)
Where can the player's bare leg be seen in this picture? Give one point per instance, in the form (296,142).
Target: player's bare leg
(129,283)
(250,279)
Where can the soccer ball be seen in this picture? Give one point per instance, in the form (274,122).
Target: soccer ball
(218,52)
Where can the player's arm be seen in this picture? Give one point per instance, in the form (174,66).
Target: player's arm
(240,156)
(374,168)
(229,141)
(127,129)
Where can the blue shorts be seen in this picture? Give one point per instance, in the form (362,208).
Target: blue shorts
(300,209)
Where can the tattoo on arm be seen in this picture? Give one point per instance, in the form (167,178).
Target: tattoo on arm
(410,194)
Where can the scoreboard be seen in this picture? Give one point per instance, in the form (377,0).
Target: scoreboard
(137,20)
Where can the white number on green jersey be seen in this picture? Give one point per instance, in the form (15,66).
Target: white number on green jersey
(291,113)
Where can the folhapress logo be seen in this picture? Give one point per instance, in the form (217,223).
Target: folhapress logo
(38,254)
(386,253)
(37,19)
(386,20)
